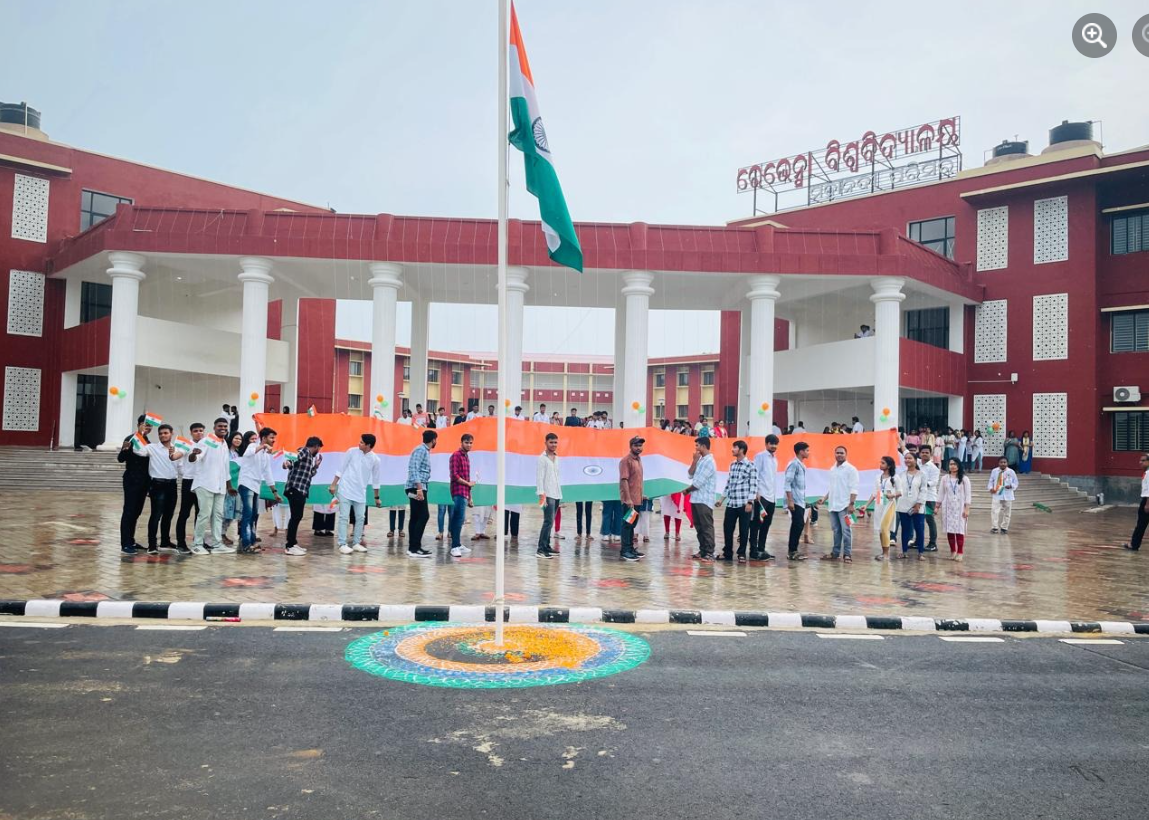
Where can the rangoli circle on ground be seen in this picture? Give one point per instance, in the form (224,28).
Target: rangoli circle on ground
(465,656)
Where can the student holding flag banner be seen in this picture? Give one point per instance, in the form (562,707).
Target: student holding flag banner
(133,455)
(163,488)
(211,484)
(301,467)
(631,495)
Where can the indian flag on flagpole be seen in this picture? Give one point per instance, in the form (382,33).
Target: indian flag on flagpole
(530,137)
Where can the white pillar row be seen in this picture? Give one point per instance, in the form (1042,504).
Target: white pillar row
(386,280)
(618,385)
(742,407)
(256,277)
(126,273)
(956,412)
(637,290)
(66,437)
(887,299)
(517,288)
(763,294)
(289,333)
(957,328)
(420,340)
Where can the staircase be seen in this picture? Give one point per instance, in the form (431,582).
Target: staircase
(1033,488)
(36,468)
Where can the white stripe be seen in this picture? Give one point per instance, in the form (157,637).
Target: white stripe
(1087,641)
(845,636)
(185,611)
(984,625)
(969,639)
(523,615)
(1118,628)
(652,616)
(850,622)
(308,629)
(784,618)
(257,612)
(32,625)
(718,616)
(585,615)
(325,612)
(114,609)
(43,608)
(919,624)
(1053,626)
(169,628)
(468,614)
(714,633)
(397,612)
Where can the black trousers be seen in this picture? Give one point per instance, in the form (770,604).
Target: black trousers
(511,523)
(298,503)
(188,502)
(163,492)
(760,526)
(1142,523)
(627,531)
(420,515)
(135,494)
(583,508)
(735,517)
(797,523)
(402,514)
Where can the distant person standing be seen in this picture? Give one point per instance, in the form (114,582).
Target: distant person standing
(932,475)
(188,501)
(794,486)
(550,492)
(418,482)
(573,420)
(911,520)
(630,493)
(857,428)
(355,475)
(1142,508)
(1002,482)
(442,421)
(134,456)
(212,484)
(766,473)
(741,483)
(840,498)
(459,470)
(541,416)
(955,496)
(701,492)
(420,419)
(405,419)
(301,471)
(162,458)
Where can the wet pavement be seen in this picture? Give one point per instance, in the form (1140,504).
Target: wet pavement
(1051,565)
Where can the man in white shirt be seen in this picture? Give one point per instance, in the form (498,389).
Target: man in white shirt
(550,492)
(776,430)
(188,500)
(932,476)
(1002,482)
(212,483)
(800,429)
(766,469)
(490,411)
(1142,508)
(163,489)
(541,416)
(442,420)
(254,471)
(358,471)
(518,416)
(858,428)
(405,419)
(840,498)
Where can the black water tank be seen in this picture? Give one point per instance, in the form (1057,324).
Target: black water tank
(1008,147)
(1069,131)
(16,112)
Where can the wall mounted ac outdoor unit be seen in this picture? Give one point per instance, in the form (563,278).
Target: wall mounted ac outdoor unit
(1127,393)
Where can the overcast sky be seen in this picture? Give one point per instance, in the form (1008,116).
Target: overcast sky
(650,106)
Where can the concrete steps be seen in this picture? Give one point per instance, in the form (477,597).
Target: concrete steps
(42,469)
(1034,488)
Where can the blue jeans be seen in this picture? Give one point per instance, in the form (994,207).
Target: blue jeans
(843,533)
(913,524)
(458,516)
(612,518)
(248,498)
(345,508)
(444,511)
(549,508)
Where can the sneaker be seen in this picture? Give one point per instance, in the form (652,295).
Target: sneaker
(629,556)
(1004,531)
(345,550)
(464,550)
(419,553)
(295,550)
(359,548)
(222,549)
(153,550)
(931,547)
(128,550)
(182,549)
(544,554)
(456,552)
(199,549)
(555,549)
(994,529)
(168,547)
(640,554)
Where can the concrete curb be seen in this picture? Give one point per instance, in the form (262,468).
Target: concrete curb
(407,613)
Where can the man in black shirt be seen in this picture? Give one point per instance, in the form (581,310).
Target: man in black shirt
(573,420)
(136,483)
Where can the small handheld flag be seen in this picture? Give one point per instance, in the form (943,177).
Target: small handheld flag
(290,458)
(153,419)
(212,441)
(311,411)
(139,442)
(631,517)
(182,444)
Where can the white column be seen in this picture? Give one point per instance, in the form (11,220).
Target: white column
(517,288)
(420,329)
(73,289)
(887,299)
(66,431)
(256,278)
(956,412)
(743,403)
(957,328)
(637,291)
(289,333)
(618,386)
(386,280)
(126,273)
(763,294)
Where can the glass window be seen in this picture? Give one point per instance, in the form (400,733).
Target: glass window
(683,378)
(683,410)
(1129,332)
(95,301)
(354,401)
(355,368)
(432,375)
(708,410)
(96,207)
(432,407)
(660,411)
(660,378)
(1130,432)
(1129,234)
(406,372)
(456,376)
(925,412)
(935,234)
(707,377)
(929,326)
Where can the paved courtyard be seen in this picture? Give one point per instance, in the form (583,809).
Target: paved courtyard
(1059,565)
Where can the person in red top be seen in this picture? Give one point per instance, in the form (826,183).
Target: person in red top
(630,494)
(461,484)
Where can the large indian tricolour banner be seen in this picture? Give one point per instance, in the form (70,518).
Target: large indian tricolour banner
(588,459)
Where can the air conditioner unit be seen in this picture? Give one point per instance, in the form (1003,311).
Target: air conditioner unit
(1127,393)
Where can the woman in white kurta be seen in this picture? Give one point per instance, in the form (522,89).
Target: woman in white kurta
(885,500)
(954,496)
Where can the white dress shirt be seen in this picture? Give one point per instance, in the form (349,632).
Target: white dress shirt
(357,471)
(799,430)
(843,483)
(255,468)
(911,488)
(858,428)
(766,466)
(214,466)
(406,421)
(543,417)
(933,477)
(516,418)
(442,421)
(547,477)
(160,464)
(1009,483)
(1145,485)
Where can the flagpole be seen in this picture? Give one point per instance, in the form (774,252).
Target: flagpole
(501,404)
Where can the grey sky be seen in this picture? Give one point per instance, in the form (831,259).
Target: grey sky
(650,106)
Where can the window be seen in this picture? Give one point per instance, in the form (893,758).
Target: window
(683,378)
(404,405)
(707,378)
(1130,432)
(1129,234)
(95,301)
(929,326)
(708,410)
(925,412)
(432,375)
(406,372)
(432,407)
(935,234)
(354,401)
(683,411)
(660,411)
(456,376)
(355,367)
(96,207)
(660,378)
(1129,332)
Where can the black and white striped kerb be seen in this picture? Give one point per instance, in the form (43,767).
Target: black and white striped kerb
(407,613)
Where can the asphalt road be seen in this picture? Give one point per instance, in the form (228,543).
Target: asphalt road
(115,722)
